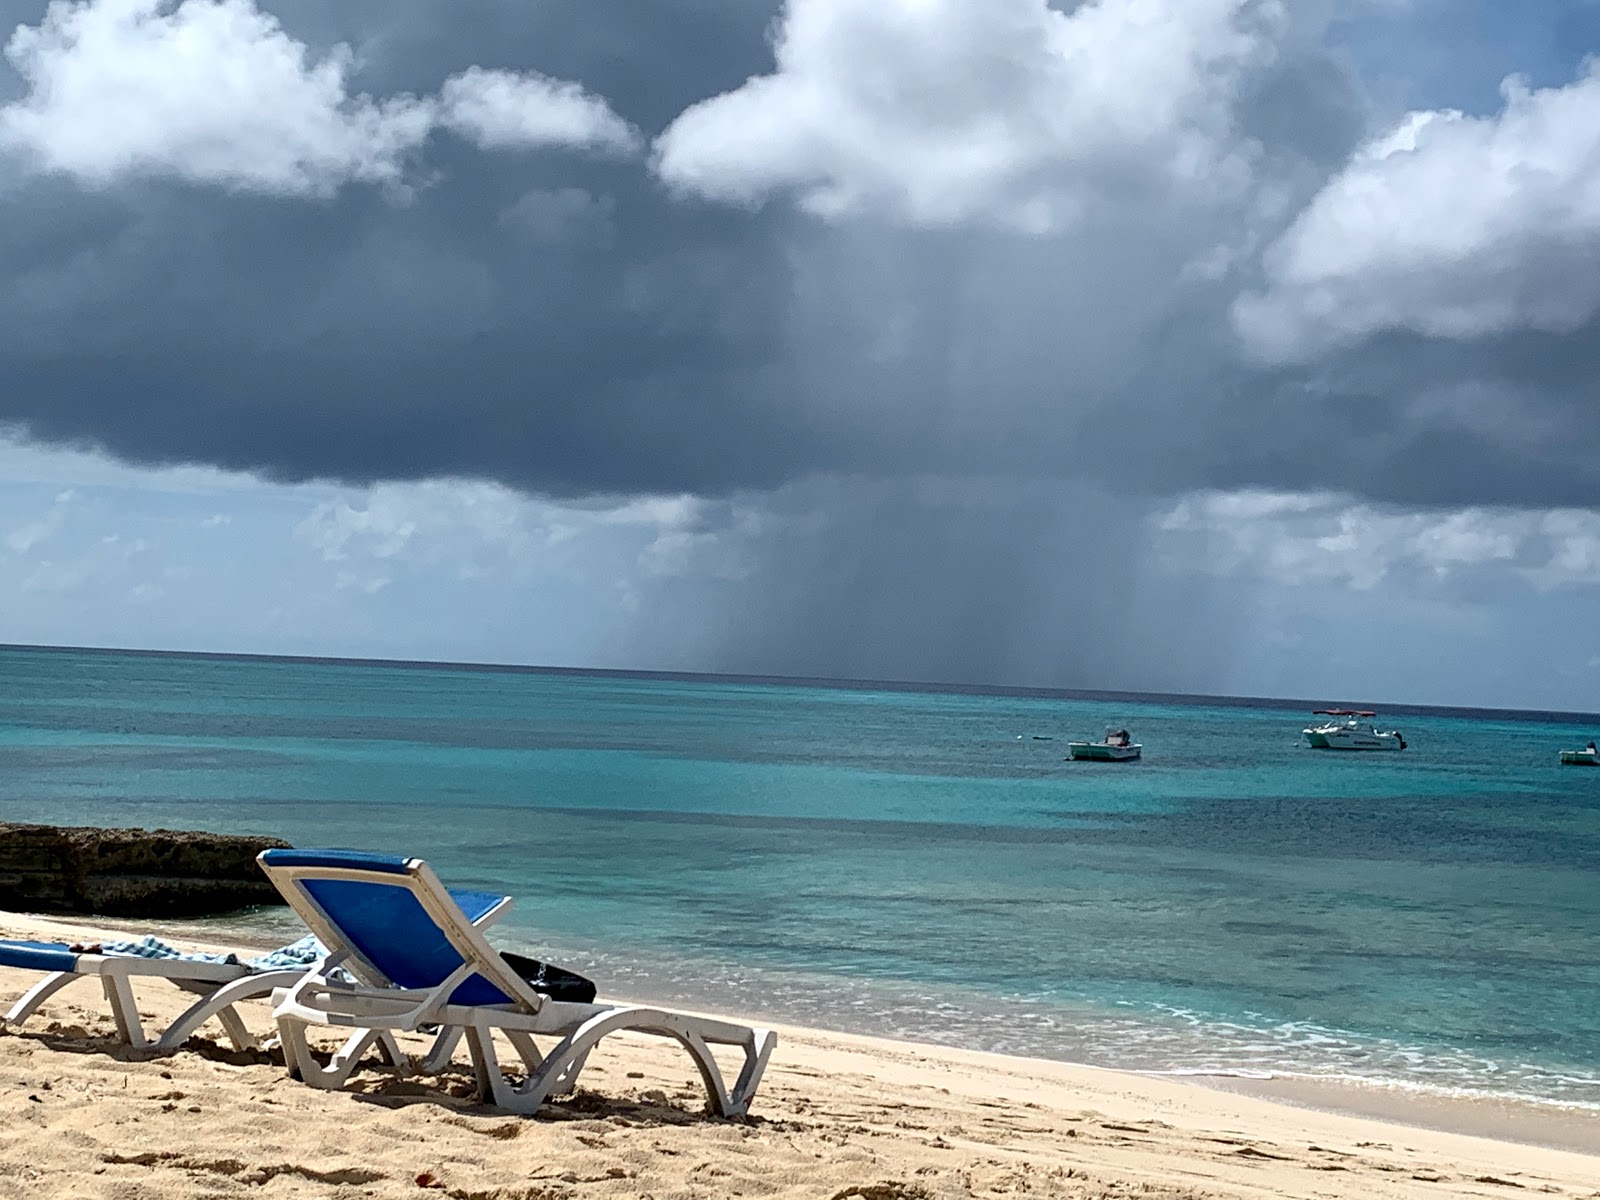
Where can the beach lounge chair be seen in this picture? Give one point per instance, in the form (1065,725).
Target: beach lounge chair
(221,981)
(419,958)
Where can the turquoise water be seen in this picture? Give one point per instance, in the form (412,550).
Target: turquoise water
(912,863)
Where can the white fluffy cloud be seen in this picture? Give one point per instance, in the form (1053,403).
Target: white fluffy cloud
(1448,226)
(939,111)
(209,92)
(1327,540)
(217,92)
(504,109)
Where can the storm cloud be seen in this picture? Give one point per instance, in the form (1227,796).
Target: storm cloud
(1078,259)
(950,238)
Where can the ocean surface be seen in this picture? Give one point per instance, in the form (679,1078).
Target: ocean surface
(912,862)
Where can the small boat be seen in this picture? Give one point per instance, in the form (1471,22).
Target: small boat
(1351,729)
(1116,746)
(1587,757)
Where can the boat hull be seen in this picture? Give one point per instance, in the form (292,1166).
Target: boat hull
(1100,752)
(1348,739)
(1580,758)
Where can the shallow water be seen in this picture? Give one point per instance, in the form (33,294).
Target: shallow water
(914,863)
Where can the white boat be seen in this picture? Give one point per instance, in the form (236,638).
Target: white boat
(1116,746)
(1587,757)
(1351,729)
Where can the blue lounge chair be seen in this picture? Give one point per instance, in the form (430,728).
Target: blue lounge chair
(418,958)
(221,981)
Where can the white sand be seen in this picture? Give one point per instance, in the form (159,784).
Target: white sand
(837,1117)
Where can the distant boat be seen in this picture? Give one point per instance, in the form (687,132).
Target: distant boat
(1587,757)
(1351,729)
(1116,746)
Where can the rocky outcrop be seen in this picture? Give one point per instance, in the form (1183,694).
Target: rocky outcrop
(131,872)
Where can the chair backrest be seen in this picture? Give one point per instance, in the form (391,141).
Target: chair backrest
(402,927)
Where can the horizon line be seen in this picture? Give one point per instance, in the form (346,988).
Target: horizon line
(811,681)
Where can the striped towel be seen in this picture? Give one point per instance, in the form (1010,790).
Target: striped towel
(307,952)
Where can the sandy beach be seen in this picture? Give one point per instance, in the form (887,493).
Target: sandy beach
(838,1116)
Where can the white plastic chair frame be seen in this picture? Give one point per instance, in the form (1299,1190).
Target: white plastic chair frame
(219,985)
(375,1007)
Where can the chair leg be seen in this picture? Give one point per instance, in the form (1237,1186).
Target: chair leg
(561,1065)
(296,1053)
(388,1048)
(554,1074)
(442,1051)
(527,1049)
(533,1059)
(485,1064)
(755,1065)
(234,1024)
(567,1080)
(303,1065)
(710,1073)
(37,995)
(219,1003)
(757,1045)
(124,1009)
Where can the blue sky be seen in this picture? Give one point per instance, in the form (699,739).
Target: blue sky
(1248,351)
(1456,53)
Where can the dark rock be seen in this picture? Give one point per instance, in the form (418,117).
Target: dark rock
(131,872)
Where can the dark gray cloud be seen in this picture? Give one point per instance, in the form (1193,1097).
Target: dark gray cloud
(363,341)
(366,337)
(1309,103)
(570,326)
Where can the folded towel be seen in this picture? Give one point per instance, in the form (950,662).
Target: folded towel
(307,952)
